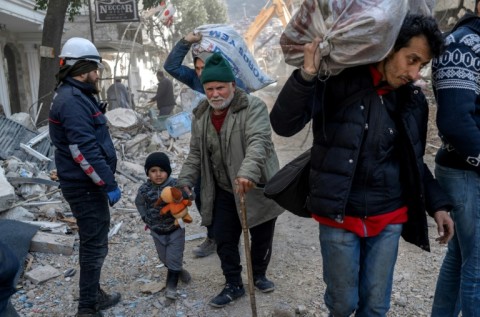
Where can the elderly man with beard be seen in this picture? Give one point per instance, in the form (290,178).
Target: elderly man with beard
(86,161)
(191,78)
(231,146)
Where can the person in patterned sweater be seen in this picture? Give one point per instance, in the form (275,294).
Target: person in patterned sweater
(457,165)
(169,238)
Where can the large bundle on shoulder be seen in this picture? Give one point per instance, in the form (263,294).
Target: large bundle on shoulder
(353,32)
(224,39)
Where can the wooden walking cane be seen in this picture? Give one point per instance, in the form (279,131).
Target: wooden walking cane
(248,257)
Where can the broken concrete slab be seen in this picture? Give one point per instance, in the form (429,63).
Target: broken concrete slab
(7,191)
(132,168)
(24,119)
(123,119)
(31,180)
(21,203)
(52,243)
(132,146)
(17,213)
(42,274)
(28,191)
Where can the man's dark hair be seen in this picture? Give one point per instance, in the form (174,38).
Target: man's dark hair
(160,74)
(415,25)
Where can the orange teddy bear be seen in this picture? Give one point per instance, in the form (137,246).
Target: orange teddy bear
(175,204)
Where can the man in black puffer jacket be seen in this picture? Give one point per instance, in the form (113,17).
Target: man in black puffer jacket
(368,182)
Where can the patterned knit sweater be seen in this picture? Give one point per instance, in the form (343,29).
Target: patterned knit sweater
(147,195)
(456,83)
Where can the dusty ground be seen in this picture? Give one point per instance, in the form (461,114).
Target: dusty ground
(295,268)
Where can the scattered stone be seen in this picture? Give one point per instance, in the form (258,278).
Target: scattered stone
(69,272)
(42,274)
(152,288)
(301,309)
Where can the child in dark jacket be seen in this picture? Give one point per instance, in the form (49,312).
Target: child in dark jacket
(169,238)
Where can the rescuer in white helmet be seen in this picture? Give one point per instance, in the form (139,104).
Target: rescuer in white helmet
(86,160)
(79,56)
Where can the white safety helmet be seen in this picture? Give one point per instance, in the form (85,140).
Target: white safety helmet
(76,49)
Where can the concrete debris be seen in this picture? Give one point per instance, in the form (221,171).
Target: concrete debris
(24,119)
(152,288)
(42,274)
(7,191)
(133,169)
(52,243)
(31,180)
(123,119)
(18,213)
(115,229)
(140,140)
(31,199)
(31,190)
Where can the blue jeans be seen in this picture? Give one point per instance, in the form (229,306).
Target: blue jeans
(358,271)
(91,210)
(458,285)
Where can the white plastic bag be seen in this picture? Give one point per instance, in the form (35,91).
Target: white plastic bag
(224,39)
(353,32)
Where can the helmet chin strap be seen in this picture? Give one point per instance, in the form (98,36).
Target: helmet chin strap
(73,61)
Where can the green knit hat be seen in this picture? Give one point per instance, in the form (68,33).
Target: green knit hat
(217,69)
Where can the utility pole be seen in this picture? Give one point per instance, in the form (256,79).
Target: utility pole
(91,22)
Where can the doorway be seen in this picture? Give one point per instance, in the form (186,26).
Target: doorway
(11,62)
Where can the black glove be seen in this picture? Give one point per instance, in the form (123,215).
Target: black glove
(103,106)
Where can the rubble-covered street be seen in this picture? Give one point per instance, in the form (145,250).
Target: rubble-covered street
(133,46)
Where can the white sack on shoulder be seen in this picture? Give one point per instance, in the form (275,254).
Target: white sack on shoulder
(224,39)
(353,33)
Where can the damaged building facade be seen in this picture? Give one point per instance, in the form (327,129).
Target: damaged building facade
(20,38)
(126,51)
